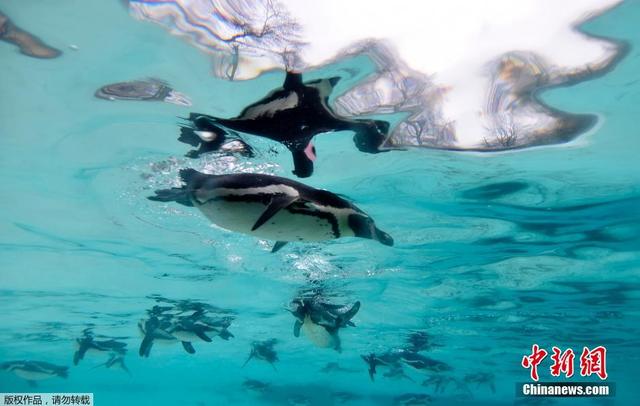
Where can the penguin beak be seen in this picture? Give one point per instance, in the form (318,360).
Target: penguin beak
(384,238)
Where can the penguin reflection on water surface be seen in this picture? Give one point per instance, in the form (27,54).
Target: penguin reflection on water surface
(292,115)
(272,208)
(33,371)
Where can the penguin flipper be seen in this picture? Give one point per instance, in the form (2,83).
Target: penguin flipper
(277,203)
(278,245)
(203,336)
(188,347)
(345,319)
(145,346)
(292,81)
(77,356)
(296,328)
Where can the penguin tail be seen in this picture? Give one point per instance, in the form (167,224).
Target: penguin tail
(179,195)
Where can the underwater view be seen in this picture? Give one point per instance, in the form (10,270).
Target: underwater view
(263,202)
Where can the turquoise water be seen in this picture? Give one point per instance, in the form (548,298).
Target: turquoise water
(493,252)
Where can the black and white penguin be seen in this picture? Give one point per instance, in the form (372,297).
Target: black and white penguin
(292,115)
(263,350)
(33,371)
(88,343)
(272,208)
(320,321)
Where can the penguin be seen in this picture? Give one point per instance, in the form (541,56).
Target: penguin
(88,343)
(33,371)
(292,115)
(272,208)
(321,321)
(263,350)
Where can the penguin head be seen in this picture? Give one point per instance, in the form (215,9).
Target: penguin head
(364,227)
(370,135)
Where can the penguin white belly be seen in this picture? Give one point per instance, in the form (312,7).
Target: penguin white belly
(318,334)
(188,336)
(283,226)
(32,375)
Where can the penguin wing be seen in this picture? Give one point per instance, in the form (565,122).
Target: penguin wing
(296,328)
(145,345)
(277,203)
(278,245)
(188,347)
(201,334)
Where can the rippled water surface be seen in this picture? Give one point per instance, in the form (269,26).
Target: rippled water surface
(493,252)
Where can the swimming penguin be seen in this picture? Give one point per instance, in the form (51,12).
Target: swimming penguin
(272,208)
(33,371)
(263,350)
(88,343)
(292,115)
(148,89)
(320,321)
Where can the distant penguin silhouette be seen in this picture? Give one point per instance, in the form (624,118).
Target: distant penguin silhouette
(263,350)
(33,371)
(88,343)
(272,208)
(292,115)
